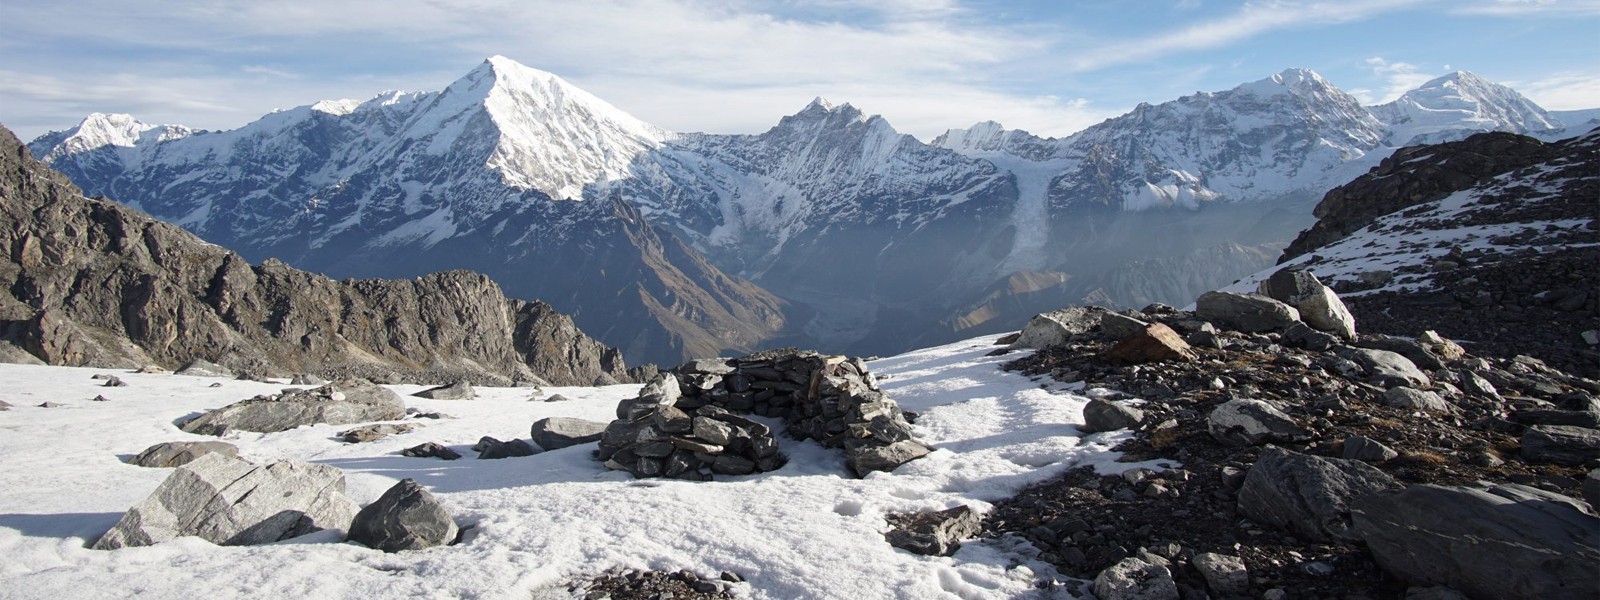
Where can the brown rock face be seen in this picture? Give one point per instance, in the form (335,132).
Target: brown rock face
(89,282)
(1156,343)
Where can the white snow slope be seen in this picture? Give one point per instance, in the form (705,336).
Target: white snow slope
(808,530)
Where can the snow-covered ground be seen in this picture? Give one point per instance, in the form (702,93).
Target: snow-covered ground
(808,530)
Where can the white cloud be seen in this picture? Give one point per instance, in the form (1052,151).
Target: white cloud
(1397,77)
(1563,91)
(1254,18)
(1517,8)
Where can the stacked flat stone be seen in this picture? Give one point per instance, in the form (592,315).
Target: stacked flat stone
(688,424)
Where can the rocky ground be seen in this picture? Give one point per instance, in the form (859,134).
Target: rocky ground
(1460,432)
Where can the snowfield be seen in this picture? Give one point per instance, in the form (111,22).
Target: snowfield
(808,530)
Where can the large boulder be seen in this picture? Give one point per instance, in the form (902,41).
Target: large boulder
(1058,326)
(1319,306)
(1503,541)
(1385,368)
(1247,422)
(1116,326)
(231,502)
(1415,399)
(1309,495)
(205,368)
(177,454)
(341,403)
(1104,415)
(1134,579)
(560,432)
(406,517)
(1245,312)
(1153,343)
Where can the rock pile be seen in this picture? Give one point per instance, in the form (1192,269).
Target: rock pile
(687,423)
(1349,466)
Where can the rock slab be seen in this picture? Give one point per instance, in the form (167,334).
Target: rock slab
(937,533)
(177,454)
(1503,541)
(342,403)
(560,432)
(231,502)
(1249,313)
(1309,495)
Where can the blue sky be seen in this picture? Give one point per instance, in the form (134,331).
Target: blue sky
(1051,67)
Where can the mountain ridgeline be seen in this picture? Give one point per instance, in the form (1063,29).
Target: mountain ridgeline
(90,282)
(830,230)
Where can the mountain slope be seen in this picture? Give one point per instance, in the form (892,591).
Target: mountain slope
(468,177)
(90,282)
(830,230)
(1493,240)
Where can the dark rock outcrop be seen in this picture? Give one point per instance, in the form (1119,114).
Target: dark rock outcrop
(406,517)
(1412,176)
(1309,495)
(89,282)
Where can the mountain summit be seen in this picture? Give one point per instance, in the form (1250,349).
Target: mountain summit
(1441,109)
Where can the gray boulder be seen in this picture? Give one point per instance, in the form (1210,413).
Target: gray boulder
(231,502)
(1560,444)
(406,517)
(1365,449)
(1116,326)
(1319,306)
(1503,541)
(1246,422)
(936,533)
(459,390)
(1415,399)
(1104,415)
(1245,312)
(1225,575)
(341,403)
(177,454)
(884,458)
(561,432)
(1309,495)
(1385,368)
(1058,326)
(1134,579)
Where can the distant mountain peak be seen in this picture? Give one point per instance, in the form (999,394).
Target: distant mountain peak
(1288,81)
(99,130)
(1446,105)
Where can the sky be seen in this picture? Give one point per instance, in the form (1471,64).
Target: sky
(1051,67)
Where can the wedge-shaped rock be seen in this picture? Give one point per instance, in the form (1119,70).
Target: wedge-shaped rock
(459,390)
(560,432)
(177,454)
(1319,306)
(936,533)
(1506,541)
(1152,343)
(406,517)
(1247,422)
(345,402)
(231,502)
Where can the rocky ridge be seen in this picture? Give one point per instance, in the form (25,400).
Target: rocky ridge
(91,282)
(1298,493)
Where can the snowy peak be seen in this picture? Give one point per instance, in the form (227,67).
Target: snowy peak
(99,130)
(1458,104)
(1299,82)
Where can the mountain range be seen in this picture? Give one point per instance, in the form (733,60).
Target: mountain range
(831,229)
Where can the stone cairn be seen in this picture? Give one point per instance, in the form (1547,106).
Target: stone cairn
(687,423)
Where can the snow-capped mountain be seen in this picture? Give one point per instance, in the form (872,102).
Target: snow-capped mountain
(1450,107)
(876,240)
